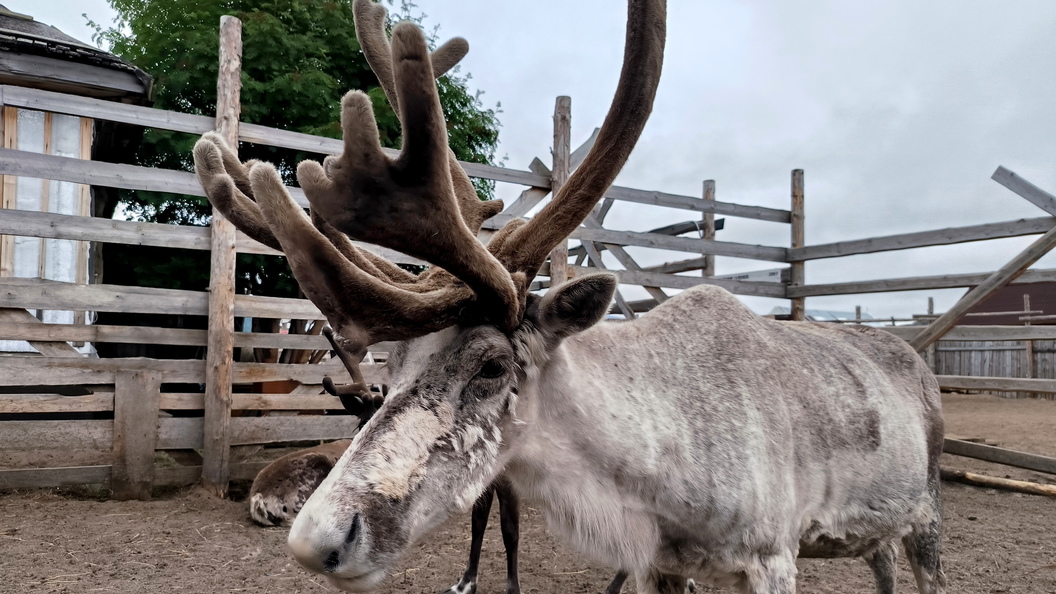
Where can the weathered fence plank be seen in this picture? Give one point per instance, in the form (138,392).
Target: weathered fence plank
(55,403)
(187,433)
(151,335)
(50,371)
(46,347)
(996,384)
(981,332)
(797,272)
(1033,194)
(31,478)
(135,433)
(1000,455)
(905,241)
(39,435)
(947,281)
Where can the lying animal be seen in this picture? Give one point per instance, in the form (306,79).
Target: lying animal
(281,488)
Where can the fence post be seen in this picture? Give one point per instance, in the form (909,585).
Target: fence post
(708,231)
(136,396)
(798,271)
(931,354)
(559,175)
(216,452)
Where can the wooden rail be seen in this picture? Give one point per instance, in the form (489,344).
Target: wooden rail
(198,124)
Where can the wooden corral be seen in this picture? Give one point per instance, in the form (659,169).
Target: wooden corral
(66,418)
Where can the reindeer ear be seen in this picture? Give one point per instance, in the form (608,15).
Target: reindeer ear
(576,305)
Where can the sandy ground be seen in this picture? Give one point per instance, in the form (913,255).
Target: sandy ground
(185,541)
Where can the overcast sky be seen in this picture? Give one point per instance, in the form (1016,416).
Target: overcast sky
(899,112)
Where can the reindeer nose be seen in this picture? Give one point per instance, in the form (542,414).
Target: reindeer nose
(323,550)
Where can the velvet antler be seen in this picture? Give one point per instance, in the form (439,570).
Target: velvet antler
(408,203)
(421,203)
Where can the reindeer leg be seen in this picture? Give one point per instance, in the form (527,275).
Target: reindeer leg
(510,521)
(481,509)
(616,585)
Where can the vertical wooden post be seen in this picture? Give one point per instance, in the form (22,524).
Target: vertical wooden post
(931,354)
(798,271)
(559,175)
(1029,344)
(857,314)
(216,452)
(136,396)
(708,231)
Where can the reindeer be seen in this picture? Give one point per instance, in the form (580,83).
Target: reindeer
(698,441)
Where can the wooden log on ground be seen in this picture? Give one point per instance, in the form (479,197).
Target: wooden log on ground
(993,482)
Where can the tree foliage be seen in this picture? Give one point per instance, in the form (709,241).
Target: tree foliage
(299,58)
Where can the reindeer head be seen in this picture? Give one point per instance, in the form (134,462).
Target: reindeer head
(472,337)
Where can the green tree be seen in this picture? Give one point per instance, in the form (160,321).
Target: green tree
(299,58)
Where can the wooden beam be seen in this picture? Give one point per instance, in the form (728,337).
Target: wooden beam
(666,242)
(121,176)
(50,333)
(621,303)
(624,259)
(181,433)
(62,371)
(946,281)
(1033,194)
(561,170)
(35,293)
(55,403)
(1006,273)
(216,452)
(798,271)
(48,348)
(996,384)
(195,124)
(696,204)
(905,241)
(999,455)
(33,478)
(1015,333)
(652,279)
(136,395)
(708,219)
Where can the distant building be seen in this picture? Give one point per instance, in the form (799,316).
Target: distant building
(1010,298)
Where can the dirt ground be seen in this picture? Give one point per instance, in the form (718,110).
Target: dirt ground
(185,541)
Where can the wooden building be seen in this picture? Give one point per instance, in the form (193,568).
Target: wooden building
(34,55)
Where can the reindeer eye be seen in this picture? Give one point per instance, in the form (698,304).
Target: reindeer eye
(491,370)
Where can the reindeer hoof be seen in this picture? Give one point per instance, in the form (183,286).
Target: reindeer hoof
(462,587)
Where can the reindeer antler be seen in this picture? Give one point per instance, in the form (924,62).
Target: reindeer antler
(408,203)
(421,203)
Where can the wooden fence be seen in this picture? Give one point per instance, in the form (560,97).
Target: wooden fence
(70,419)
(134,423)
